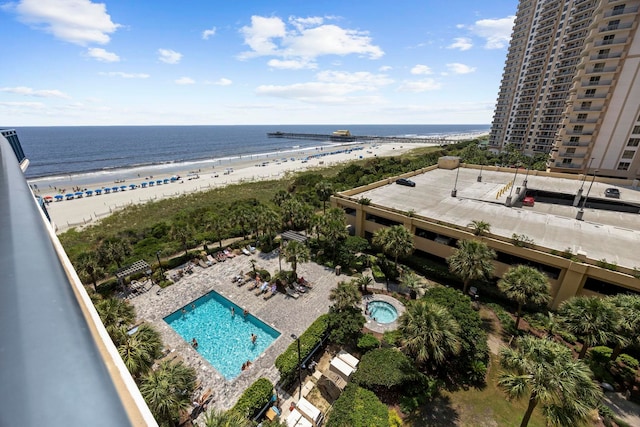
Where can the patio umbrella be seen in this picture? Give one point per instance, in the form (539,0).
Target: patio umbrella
(59,197)
(98,191)
(166,180)
(48,197)
(89,192)
(79,194)
(132,186)
(69,196)
(159,182)
(144,184)
(151,183)
(107,190)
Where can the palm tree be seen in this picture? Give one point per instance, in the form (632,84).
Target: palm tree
(411,281)
(480,228)
(429,332)
(219,226)
(230,418)
(168,391)
(182,232)
(324,190)
(89,268)
(590,318)
(140,350)
(363,282)
(115,314)
(524,284)
(395,241)
(345,296)
(471,261)
(113,251)
(628,328)
(546,372)
(295,253)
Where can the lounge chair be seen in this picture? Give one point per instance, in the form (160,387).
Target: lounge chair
(293,294)
(254,284)
(271,292)
(211,259)
(229,253)
(203,264)
(300,288)
(246,251)
(261,290)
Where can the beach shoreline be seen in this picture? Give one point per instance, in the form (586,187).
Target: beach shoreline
(88,210)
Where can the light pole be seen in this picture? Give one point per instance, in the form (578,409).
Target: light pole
(511,192)
(454,192)
(159,263)
(480,174)
(585,175)
(584,202)
(299,366)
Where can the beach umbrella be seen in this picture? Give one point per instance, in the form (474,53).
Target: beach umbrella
(123,187)
(59,197)
(151,183)
(114,189)
(166,180)
(107,190)
(132,186)
(79,194)
(159,182)
(98,191)
(89,192)
(48,197)
(69,196)
(144,185)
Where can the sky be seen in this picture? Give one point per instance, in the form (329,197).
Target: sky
(204,62)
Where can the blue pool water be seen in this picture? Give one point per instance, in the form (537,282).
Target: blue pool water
(382,312)
(224,340)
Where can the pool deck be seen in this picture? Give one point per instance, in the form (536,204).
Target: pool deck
(286,314)
(378,327)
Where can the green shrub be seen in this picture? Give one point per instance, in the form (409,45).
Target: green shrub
(600,354)
(265,276)
(630,361)
(394,419)
(377,273)
(506,320)
(418,394)
(358,407)
(368,342)
(287,362)
(385,368)
(254,398)
(392,338)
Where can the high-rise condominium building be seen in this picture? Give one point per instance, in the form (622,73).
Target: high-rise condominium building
(571,86)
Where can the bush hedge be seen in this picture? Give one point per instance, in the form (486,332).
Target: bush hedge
(378,275)
(254,398)
(385,368)
(287,362)
(358,407)
(367,342)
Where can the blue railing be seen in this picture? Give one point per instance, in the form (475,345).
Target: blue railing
(56,367)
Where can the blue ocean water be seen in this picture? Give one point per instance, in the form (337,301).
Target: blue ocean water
(223,339)
(56,151)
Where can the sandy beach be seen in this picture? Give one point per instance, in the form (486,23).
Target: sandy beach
(87,210)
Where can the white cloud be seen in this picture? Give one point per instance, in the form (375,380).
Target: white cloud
(385,68)
(169,56)
(223,82)
(75,21)
(185,81)
(292,64)
(331,87)
(125,75)
(462,43)
(308,39)
(421,70)
(28,105)
(208,33)
(42,93)
(457,68)
(419,85)
(102,55)
(497,32)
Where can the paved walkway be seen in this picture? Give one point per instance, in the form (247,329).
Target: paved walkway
(285,314)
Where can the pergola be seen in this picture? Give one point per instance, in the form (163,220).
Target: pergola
(294,235)
(134,268)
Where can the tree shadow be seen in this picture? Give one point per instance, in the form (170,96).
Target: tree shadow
(436,413)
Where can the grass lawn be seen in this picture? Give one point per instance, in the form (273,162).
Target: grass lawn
(477,408)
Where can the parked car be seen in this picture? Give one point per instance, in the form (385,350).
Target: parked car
(407,182)
(612,192)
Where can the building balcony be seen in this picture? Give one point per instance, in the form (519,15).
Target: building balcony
(591,96)
(619,12)
(619,27)
(574,144)
(602,70)
(601,56)
(567,165)
(582,132)
(598,83)
(572,155)
(617,40)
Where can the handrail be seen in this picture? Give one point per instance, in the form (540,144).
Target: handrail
(57,364)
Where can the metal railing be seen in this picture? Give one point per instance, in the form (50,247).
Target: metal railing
(58,365)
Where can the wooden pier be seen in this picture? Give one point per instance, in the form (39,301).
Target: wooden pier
(361,138)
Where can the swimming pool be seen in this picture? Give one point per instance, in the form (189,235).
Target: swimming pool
(223,339)
(382,312)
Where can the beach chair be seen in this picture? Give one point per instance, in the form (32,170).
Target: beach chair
(254,284)
(271,292)
(203,264)
(211,259)
(293,294)
(229,253)
(260,291)
(246,251)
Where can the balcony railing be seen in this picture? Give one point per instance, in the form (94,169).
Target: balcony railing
(572,155)
(59,366)
(567,165)
(618,12)
(621,26)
